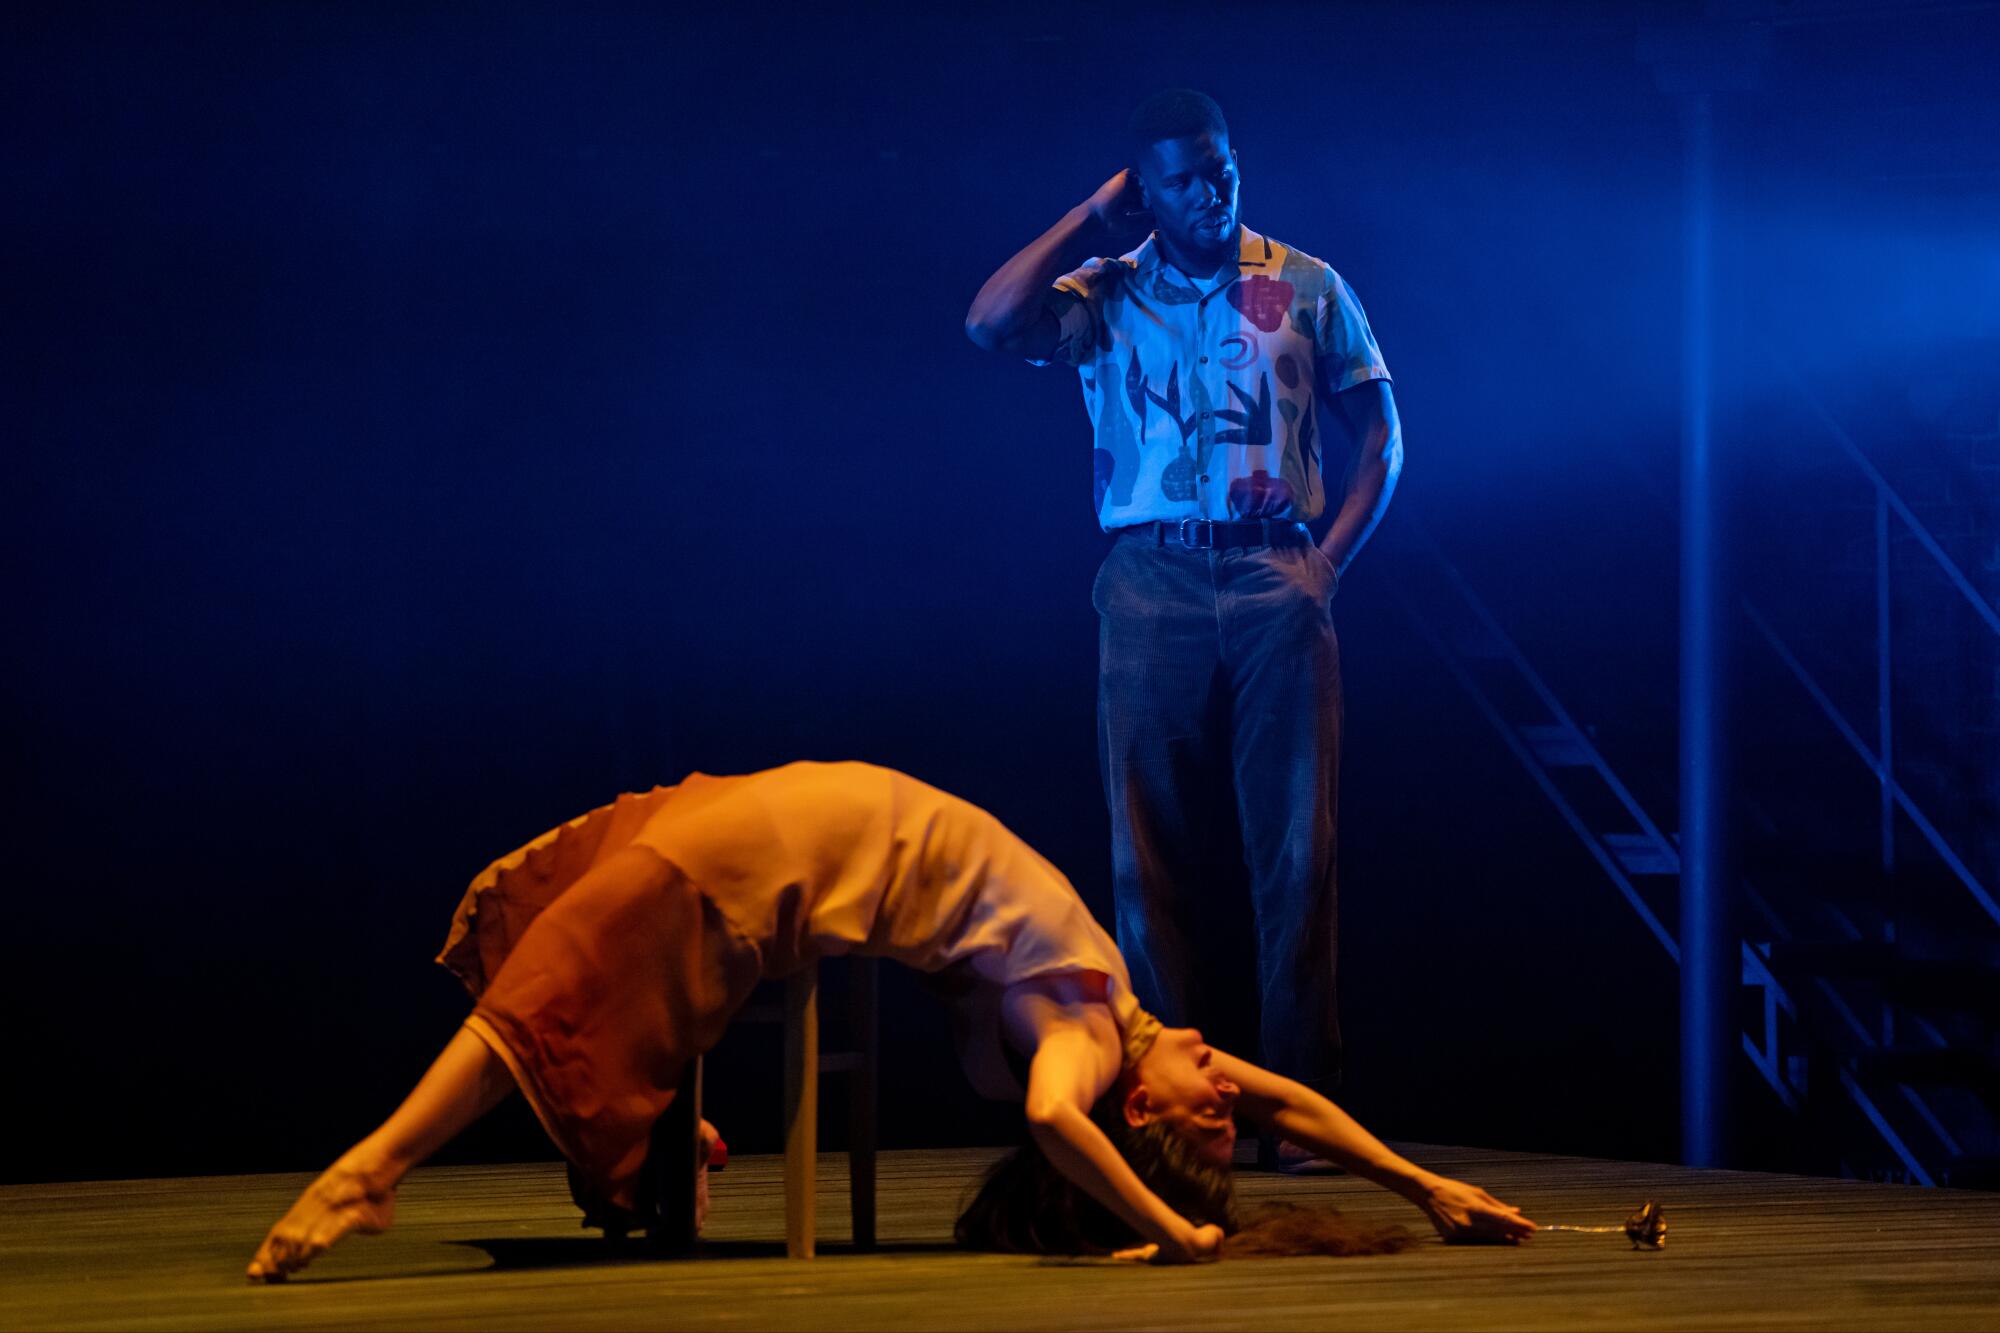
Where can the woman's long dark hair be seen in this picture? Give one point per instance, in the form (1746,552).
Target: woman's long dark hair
(1026,1206)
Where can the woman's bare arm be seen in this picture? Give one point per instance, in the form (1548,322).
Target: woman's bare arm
(1459,1211)
(1077,1059)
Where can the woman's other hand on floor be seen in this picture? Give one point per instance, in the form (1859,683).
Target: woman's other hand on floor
(1198,1245)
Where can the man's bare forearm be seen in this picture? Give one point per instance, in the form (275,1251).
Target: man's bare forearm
(1011,300)
(1371,484)
(1367,500)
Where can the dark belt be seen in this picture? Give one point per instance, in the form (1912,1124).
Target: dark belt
(1200,534)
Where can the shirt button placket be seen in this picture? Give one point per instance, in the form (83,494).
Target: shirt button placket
(1200,337)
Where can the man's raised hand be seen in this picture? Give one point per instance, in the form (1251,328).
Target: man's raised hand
(1120,207)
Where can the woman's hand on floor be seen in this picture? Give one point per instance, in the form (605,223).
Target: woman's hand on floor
(1199,1245)
(1467,1215)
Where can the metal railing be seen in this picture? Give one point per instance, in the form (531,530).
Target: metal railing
(1556,738)
(1881,759)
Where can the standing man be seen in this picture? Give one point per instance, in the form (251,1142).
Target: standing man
(1206,354)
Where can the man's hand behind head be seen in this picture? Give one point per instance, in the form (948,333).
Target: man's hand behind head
(1120,206)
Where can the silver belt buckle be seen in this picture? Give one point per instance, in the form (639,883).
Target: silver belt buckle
(1189,526)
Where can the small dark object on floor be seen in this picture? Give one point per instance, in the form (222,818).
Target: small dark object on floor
(1648,1226)
(1278,1229)
(1646,1229)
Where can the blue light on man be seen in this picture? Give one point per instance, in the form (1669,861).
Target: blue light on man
(1206,354)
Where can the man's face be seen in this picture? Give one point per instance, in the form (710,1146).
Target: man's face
(1190,184)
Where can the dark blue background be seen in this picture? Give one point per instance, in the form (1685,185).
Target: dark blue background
(426,421)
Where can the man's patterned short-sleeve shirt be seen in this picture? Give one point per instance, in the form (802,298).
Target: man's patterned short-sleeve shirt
(1204,394)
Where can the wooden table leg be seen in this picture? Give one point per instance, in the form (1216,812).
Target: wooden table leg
(670,1163)
(801,1109)
(862,1083)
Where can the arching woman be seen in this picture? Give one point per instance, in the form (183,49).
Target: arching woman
(612,950)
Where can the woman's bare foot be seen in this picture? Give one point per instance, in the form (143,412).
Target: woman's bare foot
(349,1196)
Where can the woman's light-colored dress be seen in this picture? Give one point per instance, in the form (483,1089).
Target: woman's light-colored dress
(613,949)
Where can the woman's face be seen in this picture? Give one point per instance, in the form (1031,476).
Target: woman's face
(1179,1085)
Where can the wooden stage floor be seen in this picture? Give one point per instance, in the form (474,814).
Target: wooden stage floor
(500,1248)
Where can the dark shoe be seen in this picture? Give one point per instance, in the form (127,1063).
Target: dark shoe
(1289,1159)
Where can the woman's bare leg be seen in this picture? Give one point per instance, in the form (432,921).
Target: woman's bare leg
(358,1192)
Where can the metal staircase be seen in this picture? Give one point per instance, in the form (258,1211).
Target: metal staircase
(1878,1037)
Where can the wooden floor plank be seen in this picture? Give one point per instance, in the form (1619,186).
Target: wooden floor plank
(500,1248)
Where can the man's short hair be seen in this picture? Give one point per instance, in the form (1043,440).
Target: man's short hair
(1177,113)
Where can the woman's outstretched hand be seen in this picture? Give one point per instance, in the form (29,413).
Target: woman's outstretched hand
(1467,1215)
(1198,1245)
